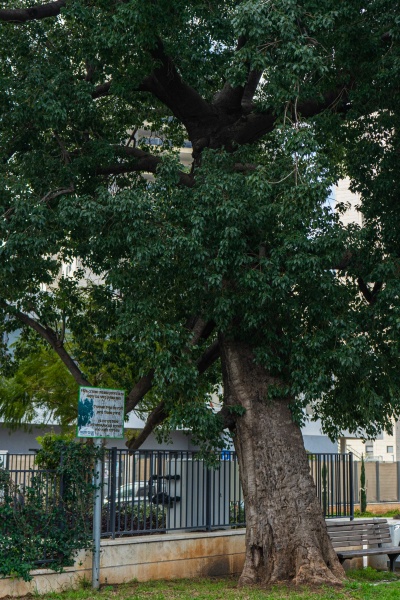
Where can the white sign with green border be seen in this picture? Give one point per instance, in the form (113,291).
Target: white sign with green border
(100,413)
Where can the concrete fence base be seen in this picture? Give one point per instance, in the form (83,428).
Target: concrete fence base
(172,556)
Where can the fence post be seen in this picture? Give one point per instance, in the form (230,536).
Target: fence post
(356,480)
(398,481)
(351,486)
(378,487)
(97,482)
(208,499)
(113,489)
(324,486)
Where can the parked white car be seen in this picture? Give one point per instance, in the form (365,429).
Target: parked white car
(131,493)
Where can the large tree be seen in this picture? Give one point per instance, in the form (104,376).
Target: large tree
(234,270)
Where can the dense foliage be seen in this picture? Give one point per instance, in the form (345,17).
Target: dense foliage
(45,522)
(250,248)
(236,249)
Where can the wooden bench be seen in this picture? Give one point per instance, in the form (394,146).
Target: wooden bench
(372,533)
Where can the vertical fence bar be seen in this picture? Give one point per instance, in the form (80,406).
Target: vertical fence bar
(112,474)
(339,486)
(378,486)
(345,485)
(351,486)
(208,499)
(97,520)
(356,481)
(398,481)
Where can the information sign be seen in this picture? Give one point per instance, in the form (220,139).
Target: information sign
(101,413)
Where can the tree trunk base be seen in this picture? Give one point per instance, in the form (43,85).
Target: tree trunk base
(286,535)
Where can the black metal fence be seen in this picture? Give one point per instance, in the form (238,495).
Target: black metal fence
(333,476)
(162,491)
(158,491)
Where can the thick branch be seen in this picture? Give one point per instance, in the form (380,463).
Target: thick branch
(51,338)
(244,168)
(184,101)
(156,417)
(101,90)
(364,290)
(369,295)
(159,414)
(37,11)
(228,420)
(208,358)
(229,98)
(145,162)
(249,91)
(252,127)
(143,386)
(201,330)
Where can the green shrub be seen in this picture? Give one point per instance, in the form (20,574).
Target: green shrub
(46,521)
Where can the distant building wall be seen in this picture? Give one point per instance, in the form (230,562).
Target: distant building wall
(343,194)
(319,443)
(21,442)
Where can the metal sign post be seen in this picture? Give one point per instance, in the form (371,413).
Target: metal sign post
(97,482)
(101,415)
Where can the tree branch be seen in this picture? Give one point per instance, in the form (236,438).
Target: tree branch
(369,295)
(145,162)
(51,338)
(249,90)
(138,392)
(253,126)
(229,98)
(201,329)
(228,420)
(184,101)
(208,357)
(101,90)
(35,12)
(156,417)
(52,195)
(159,414)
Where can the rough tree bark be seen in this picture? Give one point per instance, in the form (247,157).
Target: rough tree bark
(286,536)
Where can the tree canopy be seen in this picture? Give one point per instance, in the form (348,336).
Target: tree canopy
(235,265)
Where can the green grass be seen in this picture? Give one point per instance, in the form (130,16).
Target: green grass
(370,574)
(365,585)
(389,514)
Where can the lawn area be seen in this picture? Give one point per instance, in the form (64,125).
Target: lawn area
(367,585)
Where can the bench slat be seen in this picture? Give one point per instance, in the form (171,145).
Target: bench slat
(355,528)
(356,534)
(360,544)
(357,523)
(369,552)
(370,539)
(368,533)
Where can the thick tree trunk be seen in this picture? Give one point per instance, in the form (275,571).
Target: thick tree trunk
(286,537)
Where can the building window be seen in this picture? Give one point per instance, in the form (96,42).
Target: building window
(369,449)
(389,449)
